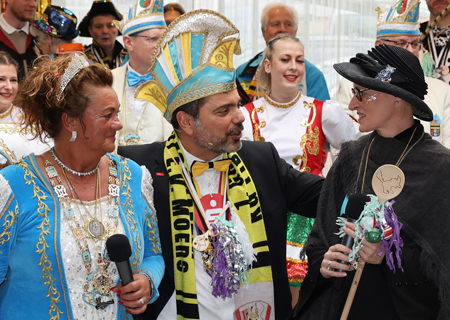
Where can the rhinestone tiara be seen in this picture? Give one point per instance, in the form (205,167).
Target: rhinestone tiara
(77,63)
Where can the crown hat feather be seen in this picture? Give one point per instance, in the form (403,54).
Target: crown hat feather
(400,20)
(193,59)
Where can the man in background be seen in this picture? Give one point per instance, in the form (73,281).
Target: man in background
(142,121)
(278,18)
(98,24)
(15,36)
(402,30)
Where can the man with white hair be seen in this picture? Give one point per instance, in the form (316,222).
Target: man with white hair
(276,18)
(394,28)
(142,121)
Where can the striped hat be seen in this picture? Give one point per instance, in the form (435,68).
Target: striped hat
(400,20)
(143,15)
(193,59)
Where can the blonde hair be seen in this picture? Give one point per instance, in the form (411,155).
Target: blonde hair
(37,96)
(263,77)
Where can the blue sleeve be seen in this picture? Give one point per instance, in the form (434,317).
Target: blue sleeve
(315,83)
(153,262)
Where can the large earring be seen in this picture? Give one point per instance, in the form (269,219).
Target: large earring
(74,136)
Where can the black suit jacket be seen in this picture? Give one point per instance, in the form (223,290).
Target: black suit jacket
(280,188)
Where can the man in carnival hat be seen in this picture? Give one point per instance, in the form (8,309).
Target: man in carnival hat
(435,34)
(399,27)
(15,36)
(98,24)
(141,29)
(221,202)
(55,31)
(276,18)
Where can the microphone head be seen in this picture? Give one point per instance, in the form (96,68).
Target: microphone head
(118,247)
(355,205)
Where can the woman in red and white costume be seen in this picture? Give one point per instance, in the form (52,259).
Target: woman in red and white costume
(298,126)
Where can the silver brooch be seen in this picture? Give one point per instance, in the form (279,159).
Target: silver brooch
(385,75)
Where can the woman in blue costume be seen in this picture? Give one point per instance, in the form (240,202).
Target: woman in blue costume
(58,209)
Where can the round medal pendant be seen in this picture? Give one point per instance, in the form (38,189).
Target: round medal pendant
(95,229)
(387,182)
(201,242)
(445,70)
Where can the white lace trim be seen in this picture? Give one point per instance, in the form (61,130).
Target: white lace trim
(147,186)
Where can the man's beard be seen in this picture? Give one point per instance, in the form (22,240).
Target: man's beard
(215,143)
(20,15)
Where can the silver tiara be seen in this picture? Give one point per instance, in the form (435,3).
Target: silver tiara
(77,63)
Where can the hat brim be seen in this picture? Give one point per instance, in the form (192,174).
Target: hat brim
(100,8)
(37,26)
(358,75)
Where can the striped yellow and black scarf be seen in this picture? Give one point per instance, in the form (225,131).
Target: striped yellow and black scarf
(244,197)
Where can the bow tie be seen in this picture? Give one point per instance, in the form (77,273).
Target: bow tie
(133,78)
(198,168)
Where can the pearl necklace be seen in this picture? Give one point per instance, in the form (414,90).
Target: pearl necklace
(71,170)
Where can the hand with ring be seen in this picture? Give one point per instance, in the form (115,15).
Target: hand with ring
(368,251)
(135,295)
(330,262)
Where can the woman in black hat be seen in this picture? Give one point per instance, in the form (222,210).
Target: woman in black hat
(388,91)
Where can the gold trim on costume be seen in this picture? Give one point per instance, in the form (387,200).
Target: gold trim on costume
(256,126)
(10,219)
(294,244)
(153,226)
(8,153)
(309,140)
(282,105)
(42,244)
(125,187)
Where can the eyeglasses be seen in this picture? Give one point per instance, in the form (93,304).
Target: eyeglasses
(151,39)
(358,93)
(416,45)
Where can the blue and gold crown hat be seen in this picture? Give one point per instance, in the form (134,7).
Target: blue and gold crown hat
(193,59)
(400,20)
(143,15)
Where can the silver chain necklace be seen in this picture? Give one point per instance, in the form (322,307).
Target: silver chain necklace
(80,174)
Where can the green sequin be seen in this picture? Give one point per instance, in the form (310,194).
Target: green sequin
(298,228)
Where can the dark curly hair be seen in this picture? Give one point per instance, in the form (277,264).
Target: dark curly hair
(37,96)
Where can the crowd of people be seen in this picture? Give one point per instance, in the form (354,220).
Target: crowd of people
(217,175)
